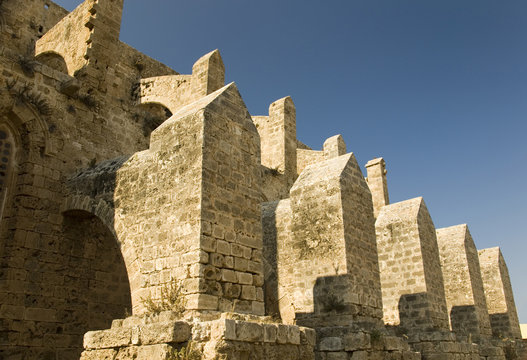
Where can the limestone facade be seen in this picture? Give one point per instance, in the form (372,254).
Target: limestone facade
(120,177)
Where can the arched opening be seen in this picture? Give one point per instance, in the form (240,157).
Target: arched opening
(7,165)
(151,115)
(54,61)
(94,288)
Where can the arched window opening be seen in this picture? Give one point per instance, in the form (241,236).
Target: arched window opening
(7,156)
(151,115)
(54,61)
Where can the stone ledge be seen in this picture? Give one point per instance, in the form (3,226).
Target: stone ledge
(248,331)
(149,334)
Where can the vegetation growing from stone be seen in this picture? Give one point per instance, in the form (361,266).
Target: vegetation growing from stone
(188,352)
(27,64)
(24,94)
(171,300)
(89,101)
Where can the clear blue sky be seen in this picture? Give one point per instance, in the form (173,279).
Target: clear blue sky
(437,88)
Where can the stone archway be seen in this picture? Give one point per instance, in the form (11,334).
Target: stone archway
(92,286)
(8,148)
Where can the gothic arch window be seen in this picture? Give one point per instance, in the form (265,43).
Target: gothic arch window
(7,159)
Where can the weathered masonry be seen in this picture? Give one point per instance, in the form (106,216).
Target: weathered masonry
(145,212)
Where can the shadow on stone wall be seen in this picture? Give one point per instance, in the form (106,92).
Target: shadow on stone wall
(92,280)
(464,320)
(270,242)
(335,304)
(414,312)
(501,325)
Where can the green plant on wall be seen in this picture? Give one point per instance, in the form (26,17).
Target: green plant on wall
(188,352)
(27,64)
(24,94)
(171,299)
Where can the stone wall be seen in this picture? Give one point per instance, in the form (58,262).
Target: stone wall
(21,32)
(123,177)
(464,292)
(60,124)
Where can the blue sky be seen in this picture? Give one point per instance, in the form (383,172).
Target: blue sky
(437,88)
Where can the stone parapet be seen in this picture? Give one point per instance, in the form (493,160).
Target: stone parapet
(353,343)
(159,337)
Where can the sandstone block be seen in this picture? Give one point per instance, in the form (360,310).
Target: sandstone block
(258,308)
(157,333)
(229,275)
(309,335)
(103,354)
(294,335)
(248,331)
(360,355)
(244,278)
(202,302)
(232,291)
(270,333)
(282,334)
(224,328)
(223,247)
(240,264)
(107,338)
(392,343)
(410,355)
(357,341)
(248,292)
(341,355)
(331,344)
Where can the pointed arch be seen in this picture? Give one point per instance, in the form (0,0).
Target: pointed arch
(8,163)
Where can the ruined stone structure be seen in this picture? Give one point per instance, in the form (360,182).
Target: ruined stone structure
(125,185)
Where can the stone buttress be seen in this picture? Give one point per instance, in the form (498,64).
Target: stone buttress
(412,283)
(465,296)
(329,245)
(498,291)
